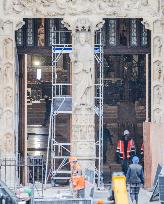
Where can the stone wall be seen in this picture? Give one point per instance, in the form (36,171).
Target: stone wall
(154,150)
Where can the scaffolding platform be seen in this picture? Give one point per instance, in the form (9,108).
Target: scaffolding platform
(62,105)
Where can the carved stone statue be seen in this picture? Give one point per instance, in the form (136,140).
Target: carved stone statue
(157,70)
(8,49)
(8,144)
(108,6)
(83,76)
(8,97)
(1,115)
(157,115)
(157,95)
(41,34)
(1,75)
(157,47)
(8,119)
(144,2)
(8,73)
(131,4)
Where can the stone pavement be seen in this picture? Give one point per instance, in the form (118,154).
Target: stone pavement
(144,197)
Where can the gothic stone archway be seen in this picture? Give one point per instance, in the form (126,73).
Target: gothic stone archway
(83,19)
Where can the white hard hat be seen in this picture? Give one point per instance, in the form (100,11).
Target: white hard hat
(126,132)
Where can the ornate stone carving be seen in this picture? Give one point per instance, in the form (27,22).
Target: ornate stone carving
(8,115)
(83,73)
(6,27)
(144,2)
(83,23)
(1,76)
(157,95)
(41,34)
(61,6)
(157,47)
(157,70)
(8,69)
(108,7)
(132,4)
(8,49)
(1,115)
(79,7)
(157,115)
(8,147)
(8,97)
(162,6)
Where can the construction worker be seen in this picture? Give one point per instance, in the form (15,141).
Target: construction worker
(75,166)
(78,184)
(125,151)
(77,180)
(106,137)
(135,177)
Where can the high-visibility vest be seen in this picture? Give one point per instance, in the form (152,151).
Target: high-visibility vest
(78,182)
(130,149)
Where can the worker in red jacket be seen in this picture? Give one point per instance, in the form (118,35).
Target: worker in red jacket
(125,150)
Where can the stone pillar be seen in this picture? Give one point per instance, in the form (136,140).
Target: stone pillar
(83,89)
(157,56)
(153,132)
(7,99)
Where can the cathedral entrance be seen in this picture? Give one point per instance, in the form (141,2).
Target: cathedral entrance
(125,43)
(126,47)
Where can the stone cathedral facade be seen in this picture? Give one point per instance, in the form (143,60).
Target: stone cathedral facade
(83,18)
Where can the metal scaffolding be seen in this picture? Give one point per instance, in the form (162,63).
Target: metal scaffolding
(58,153)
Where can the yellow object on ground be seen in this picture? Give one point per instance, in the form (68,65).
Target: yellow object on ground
(119,188)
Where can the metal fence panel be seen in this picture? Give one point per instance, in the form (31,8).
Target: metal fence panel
(68,201)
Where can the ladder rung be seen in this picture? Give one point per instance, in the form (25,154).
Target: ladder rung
(62,172)
(60,157)
(57,178)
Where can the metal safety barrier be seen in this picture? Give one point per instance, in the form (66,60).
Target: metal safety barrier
(64,201)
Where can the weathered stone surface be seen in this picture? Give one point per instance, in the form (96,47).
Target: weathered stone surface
(83,17)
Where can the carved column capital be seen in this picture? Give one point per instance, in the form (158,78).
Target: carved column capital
(83,23)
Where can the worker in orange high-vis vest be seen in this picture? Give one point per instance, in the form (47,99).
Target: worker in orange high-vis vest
(76,181)
(125,150)
(79,186)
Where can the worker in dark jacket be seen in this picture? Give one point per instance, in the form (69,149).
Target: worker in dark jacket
(135,177)
(106,137)
(47,110)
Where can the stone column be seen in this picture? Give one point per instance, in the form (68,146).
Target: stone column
(157,73)
(7,99)
(83,89)
(153,131)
